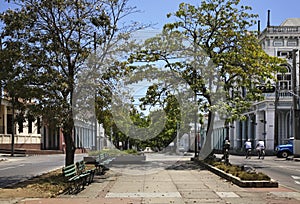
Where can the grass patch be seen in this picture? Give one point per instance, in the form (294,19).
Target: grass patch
(112,152)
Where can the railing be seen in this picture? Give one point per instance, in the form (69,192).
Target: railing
(282,29)
(284,94)
(20,139)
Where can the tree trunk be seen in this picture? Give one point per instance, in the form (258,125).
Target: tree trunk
(69,141)
(207,148)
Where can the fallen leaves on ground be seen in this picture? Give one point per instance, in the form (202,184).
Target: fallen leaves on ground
(48,185)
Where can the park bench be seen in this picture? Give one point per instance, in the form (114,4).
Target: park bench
(76,181)
(101,163)
(82,170)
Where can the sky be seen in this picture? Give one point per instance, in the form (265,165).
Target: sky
(154,11)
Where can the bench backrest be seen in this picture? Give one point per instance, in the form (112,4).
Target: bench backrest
(80,166)
(69,171)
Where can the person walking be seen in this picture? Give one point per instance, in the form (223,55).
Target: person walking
(248,148)
(226,147)
(260,148)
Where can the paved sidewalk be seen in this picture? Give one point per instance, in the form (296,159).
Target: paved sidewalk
(179,186)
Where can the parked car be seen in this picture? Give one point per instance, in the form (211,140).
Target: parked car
(285,150)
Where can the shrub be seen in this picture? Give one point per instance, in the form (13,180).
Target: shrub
(239,172)
(130,151)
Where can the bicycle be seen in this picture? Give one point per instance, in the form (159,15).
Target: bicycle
(248,153)
(261,153)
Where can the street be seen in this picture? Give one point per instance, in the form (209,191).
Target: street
(286,172)
(19,168)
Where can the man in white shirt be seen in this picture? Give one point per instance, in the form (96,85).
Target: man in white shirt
(248,147)
(260,148)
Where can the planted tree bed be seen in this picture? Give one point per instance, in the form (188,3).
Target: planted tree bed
(239,175)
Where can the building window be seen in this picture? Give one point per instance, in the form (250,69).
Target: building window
(284,79)
(30,119)
(292,42)
(38,124)
(30,126)
(20,120)
(20,125)
(278,43)
(286,54)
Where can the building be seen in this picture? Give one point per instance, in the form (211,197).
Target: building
(27,134)
(39,135)
(271,120)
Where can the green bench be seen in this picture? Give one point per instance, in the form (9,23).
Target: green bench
(76,180)
(82,170)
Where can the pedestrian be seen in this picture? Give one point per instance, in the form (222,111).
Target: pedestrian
(248,148)
(226,147)
(260,148)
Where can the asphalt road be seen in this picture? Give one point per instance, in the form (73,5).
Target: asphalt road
(286,172)
(20,168)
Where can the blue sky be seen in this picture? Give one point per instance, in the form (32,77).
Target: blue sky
(154,11)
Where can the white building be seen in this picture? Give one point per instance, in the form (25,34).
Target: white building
(271,120)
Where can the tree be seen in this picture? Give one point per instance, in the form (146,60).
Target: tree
(211,48)
(12,81)
(56,39)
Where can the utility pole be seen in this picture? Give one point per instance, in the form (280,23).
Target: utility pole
(195,127)
(295,121)
(95,119)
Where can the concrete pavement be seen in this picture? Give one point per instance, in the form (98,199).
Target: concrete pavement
(182,185)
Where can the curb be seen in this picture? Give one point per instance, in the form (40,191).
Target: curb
(237,181)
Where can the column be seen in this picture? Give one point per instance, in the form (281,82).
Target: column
(270,125)
(259,126)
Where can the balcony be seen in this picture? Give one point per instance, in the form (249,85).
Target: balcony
(282,30)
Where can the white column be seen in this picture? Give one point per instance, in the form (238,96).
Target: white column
(270,116)
(259,127)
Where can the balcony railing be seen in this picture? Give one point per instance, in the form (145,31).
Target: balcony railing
(282,29)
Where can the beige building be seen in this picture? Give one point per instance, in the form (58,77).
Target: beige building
(27,135)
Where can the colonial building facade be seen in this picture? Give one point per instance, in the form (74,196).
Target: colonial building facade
(270,120)
(27,134)
(38,134)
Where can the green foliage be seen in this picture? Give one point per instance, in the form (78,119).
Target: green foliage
(52,41)
(111,152)
(130,151)
(210,47)
(239,172)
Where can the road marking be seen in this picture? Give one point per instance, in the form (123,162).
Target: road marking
(12,167)
(296,178)
(227,195)
(144,195)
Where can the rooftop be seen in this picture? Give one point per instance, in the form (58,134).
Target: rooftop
(291,22)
